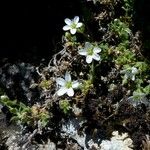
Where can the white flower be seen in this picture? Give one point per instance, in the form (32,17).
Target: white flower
(134,71)
(91,52)
(66,85)
(72,25)
(130,73)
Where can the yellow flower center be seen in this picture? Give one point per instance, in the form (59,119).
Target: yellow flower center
(68,84)
(73,26)
(90,51)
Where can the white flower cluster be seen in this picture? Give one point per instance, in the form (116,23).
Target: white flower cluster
(67,86)
(90,51)
(117,142)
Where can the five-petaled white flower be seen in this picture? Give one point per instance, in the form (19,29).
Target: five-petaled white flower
(72,25)
(91,52)
(66,85)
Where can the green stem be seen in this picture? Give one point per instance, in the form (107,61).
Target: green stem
(92,72)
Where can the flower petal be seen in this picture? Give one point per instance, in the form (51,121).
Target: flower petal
(62,91)
(66,27)
(96,50)
(96,57)
(68,21)
(60,81)
(67,76)
(133,78)
(82,52)
(73,31)
(79,25)
(75,84)
(134,70)
(88,45)
(89,59)
(70,92)
(76,19)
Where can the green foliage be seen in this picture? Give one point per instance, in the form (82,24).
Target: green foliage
(134,70)
(20,111)
(86,86)
(128,7)
(45,84)
(122,55)
(142,66)
(70,38)
(141,92)
(105,51)
(138,79)
(40,115)
(64,106)
(23,114)
(125,57)
(146,89)
(120,29)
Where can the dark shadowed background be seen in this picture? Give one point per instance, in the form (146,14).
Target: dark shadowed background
(32,31)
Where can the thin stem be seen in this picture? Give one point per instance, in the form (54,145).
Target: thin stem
(92,72)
